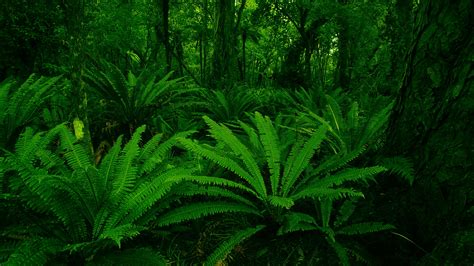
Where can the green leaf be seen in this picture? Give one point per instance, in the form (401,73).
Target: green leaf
(277,201)
(224,249)
(269,139)
(197,210)
(364,228)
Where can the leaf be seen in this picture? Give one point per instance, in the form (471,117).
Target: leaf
(126,231)
(78,128)
(364,228)
(296,221)
(294,167)
(225,135)
(400,166)
(269,139)
(226,247)
(197,210)
(277,201)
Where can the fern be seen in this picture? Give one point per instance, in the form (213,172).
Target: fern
(340,251)
(126,169)
(118,233)
(131,101)
(224,162)
(269,139)
(356,174)
(226,247)
(19,104)
(91,206)
(193,190)
(296,221)
(335,113)
(201,209)
(301,159)
(401,167)
(223,134)
(34,251)
(364,228)
(329,193)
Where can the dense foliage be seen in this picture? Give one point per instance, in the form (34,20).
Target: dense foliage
(223,132)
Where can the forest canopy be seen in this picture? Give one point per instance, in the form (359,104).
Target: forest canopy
(236,132)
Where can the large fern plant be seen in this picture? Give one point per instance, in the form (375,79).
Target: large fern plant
(132,100)
(20,103)
(273,186)
(83,208)
(354,132)
(228,105)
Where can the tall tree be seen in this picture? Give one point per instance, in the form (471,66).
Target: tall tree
(224,61)
(163,31)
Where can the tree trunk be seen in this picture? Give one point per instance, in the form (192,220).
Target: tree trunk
(223,57)
(163,32)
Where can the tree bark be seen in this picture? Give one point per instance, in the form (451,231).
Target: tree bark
(223,57)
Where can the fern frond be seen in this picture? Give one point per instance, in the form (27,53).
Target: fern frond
(209,180)
(107,168)
(297,221)
(223,161)
(152,155)
(75,154)
(400,166)
(148,149)
(119,83)
(252,135)
(34,251)
(328,193)
(193,190)
(341,251)
(126,171)
(346,210)
(326,211)
(226,247)
(271,145)
(126,231)
(138,201)
(335,113)
(302,159)
(339,161)
(352,174)
(197,210)
(364,228)
(330,164)
(224,135)
(376,123)
(277,201)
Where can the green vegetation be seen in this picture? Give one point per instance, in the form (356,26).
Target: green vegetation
(250,132)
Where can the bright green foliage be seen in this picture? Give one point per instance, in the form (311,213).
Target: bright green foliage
(20,104)
(90,206)
(229,105)
(279,182)
(131,100)
(279,186)
(351,131)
